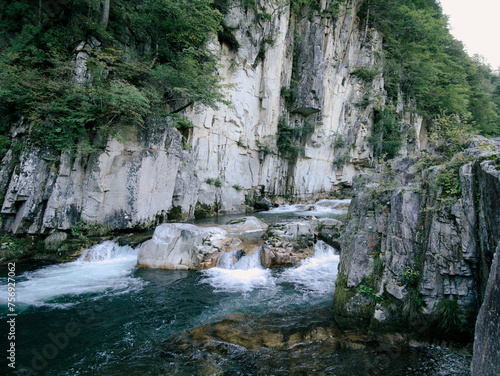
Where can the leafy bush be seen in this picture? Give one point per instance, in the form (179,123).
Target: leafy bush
(122,88)
(365,74)
(291,139)
(385,139)
(4,145)
(341,161)
(410,276)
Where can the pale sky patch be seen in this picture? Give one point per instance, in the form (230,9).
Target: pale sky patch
(476,23)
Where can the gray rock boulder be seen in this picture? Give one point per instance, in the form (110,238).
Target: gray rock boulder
(246,224)
(184,246)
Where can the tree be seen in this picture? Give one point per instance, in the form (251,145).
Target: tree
(105,14)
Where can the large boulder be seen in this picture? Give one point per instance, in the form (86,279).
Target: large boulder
(245,224)
(184,246)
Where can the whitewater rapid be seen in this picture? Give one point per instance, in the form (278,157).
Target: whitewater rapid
(103,269)
(316,274)
(108,269)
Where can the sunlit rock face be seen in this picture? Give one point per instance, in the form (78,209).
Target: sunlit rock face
(297,70)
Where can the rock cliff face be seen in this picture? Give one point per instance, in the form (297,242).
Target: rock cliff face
(293,77)
(486,360)
(417,253)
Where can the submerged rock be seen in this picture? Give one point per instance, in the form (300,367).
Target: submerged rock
(262,205)
(245,224)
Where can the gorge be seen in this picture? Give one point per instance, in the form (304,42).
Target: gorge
(322,101)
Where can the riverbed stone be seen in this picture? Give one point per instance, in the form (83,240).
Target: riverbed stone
(245,224)
(184,246)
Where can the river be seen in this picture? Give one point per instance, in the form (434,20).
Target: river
(100,315)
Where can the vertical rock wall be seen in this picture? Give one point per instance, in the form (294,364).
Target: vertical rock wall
(410,248)
(486,359)
(297,69)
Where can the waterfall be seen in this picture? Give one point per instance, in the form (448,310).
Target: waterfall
(103,269)
(239,271)
(240,259)
(317,274)
(319,208)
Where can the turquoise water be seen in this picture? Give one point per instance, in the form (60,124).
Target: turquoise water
(100,315)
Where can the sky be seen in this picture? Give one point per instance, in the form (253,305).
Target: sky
(476,24)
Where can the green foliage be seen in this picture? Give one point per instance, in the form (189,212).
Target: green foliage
(237,187)
(264,16)
(262,50)
(369,292)
(37,70)
(240,143)
(291,139)
(4,145)
(226,36)
(341,161)
(290,95)
(449,179)
(216,182)
(410,276)
(449,176)
(338,141)
(183,122)
(250,200)
(386,134)
(85,229)
(13,248)
(449,135)
(446,313)
(365,74)
(424,62)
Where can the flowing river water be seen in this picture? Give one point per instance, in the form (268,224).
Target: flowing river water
(100,315)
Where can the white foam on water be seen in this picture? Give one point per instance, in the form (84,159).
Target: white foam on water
(320,207)
(315,274)
(238,275)
(103,269)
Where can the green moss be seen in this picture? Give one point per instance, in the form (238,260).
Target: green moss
(175,213)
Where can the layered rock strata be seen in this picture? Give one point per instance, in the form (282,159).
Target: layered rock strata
(290,72)
(419,244)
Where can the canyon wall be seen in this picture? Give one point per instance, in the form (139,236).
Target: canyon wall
(294,74)
(419,243)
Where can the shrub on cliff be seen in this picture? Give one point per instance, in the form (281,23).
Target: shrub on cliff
(149,57)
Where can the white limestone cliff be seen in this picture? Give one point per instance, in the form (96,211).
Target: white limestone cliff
(159,173)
